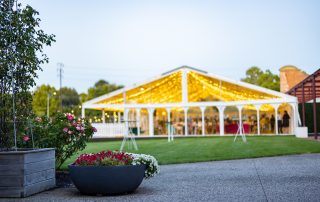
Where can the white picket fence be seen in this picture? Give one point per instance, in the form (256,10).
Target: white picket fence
(108,130)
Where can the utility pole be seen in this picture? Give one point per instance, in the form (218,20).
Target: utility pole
(48,102)
(60,72)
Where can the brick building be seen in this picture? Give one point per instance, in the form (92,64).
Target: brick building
(290,76)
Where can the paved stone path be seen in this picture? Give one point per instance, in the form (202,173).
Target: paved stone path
(286,178)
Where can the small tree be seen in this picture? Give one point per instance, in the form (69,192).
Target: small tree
(21,56)
(40,100)
(267,79)
(70,100)
(101,87)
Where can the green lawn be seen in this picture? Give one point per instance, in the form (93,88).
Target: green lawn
(196,149)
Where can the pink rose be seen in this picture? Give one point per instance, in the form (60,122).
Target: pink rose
(69,116)
(65,130)
(69,132)
(80,128)
(94,129)
(26,138)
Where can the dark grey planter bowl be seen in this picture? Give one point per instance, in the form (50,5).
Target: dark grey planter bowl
(107,180)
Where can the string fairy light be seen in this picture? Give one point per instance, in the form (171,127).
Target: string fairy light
(200,88)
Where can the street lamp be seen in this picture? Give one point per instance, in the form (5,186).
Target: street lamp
(48,103)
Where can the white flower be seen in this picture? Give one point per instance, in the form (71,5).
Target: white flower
(152,166)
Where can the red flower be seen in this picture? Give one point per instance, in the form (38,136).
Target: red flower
(95,159)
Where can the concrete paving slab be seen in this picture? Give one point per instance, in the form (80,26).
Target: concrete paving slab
(290,178)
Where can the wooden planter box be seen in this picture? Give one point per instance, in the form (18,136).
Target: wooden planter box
(26,172)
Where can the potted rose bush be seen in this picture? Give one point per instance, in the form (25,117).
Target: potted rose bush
(111,172)
(64,132)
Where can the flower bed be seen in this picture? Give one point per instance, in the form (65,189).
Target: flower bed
(103,158)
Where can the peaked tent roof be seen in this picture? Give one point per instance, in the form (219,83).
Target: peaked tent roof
(202,86)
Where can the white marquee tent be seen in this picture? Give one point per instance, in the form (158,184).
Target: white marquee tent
(189,101)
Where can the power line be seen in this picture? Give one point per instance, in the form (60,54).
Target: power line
(60,72)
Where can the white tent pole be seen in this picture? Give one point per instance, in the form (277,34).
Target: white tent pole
(202,118)
(276,107)
(138,120)
(185,121)
(258,118)
(295,119)
(297,115)
(169,125)
(240,120)
(221,120)
(151,125)
(103,116)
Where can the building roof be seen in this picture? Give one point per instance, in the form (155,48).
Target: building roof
(201,87)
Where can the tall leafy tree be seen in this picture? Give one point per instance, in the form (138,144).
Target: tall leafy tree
(70,100)
(21,56)
(266,79)
(101,87)
(70,97)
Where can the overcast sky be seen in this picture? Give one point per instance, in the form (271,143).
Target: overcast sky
(125,42)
